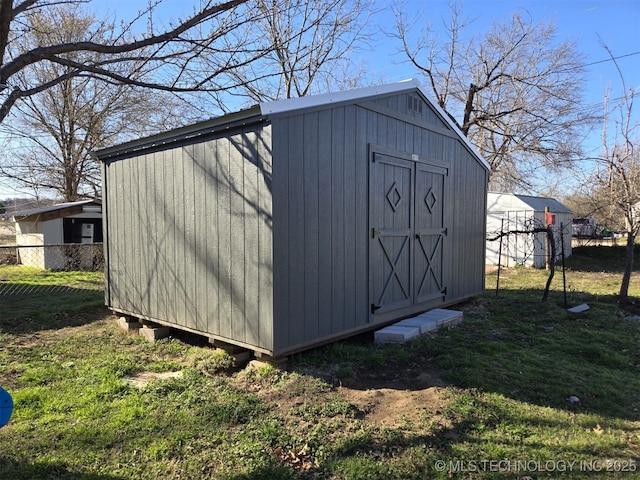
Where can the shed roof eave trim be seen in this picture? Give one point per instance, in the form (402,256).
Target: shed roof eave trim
(231,120)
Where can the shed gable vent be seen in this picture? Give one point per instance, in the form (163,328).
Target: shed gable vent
(414,104)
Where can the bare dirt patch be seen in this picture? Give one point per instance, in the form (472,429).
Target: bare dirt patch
(385,406)
(141,380)
(396,395)
(407,400)
(386,397)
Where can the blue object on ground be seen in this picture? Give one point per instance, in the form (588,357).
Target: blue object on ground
(6,407)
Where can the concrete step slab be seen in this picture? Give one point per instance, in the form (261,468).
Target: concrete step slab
(425,324)
(412,327)
(442,316)
(395,334)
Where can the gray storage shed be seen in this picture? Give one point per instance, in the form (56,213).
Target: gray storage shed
(296,222)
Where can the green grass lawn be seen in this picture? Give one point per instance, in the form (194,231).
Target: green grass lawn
(31,298)
(494,404)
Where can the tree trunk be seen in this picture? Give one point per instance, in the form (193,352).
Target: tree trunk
(468,109)
(552,263)
(628,267)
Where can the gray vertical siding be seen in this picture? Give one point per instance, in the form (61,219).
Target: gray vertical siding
(321,204)
(466,277)
(189,236)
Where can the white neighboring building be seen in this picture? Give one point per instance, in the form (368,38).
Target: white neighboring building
(509,212)
(61,225)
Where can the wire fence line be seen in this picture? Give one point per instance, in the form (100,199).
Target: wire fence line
(519,238)
(63,261)
(64,257)
(32,291)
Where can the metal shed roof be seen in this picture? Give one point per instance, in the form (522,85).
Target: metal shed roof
(261,112)
(205,127)
(539,203)
(536,204)
(60,209)
(292,104)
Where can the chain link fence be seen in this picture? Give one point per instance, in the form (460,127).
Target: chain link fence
(36,277)
(66,257)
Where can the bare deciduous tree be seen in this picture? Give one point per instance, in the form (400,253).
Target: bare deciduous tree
(172,55)
(54,132)
(514,92)
(617,173)
(312,45)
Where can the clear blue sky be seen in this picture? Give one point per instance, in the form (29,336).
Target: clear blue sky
(615,22)
(587,22)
